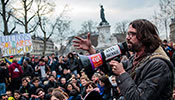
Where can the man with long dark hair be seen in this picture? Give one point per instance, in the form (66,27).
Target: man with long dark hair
(148,74)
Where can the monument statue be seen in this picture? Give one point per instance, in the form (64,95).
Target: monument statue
(172,20)
(102,16)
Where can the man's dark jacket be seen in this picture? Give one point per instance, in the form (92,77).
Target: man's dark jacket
(153,78)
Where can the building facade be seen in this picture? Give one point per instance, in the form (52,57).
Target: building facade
(38,47)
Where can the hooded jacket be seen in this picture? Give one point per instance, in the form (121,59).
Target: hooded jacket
(15,70)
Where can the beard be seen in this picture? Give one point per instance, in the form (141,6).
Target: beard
(134,47)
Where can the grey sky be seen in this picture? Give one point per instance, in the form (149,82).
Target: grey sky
(115,10)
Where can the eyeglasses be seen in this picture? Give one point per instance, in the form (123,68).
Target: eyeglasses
(131,34)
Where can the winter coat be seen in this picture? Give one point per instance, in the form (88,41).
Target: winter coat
(3,75)
(153,78)
(93,95)
(27,89)
(28,71)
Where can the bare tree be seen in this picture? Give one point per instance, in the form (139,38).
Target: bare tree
(156,20)
(63,30)
(44,8)
(88,26)
(49,26)
(121,27)
(63,48)
(6,14)
(63,27)
(167,11)
(167,7)
(25,20)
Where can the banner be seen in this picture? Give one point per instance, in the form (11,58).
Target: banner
(15,44)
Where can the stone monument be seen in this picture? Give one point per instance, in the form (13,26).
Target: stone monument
(104,39)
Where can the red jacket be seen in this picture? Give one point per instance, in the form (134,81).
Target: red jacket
(15,70)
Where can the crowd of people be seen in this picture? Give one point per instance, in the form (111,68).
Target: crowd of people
(146,72)
(49,77)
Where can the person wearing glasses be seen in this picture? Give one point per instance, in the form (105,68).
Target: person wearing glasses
(148,73)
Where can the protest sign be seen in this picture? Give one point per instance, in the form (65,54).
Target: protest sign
(15,44)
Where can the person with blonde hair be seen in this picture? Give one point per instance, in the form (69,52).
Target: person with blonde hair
(84,80)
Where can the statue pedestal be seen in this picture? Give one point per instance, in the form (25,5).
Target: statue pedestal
(104,38)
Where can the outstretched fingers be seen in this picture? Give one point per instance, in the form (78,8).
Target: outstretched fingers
(76,45)
(76,41)
(88,36)
(79,38)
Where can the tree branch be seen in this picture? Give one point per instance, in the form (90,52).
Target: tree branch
(29,5)
(6,2)
(31,18)
(53,28)
(49,36)
(19,20)
(12,29)
(1,14)
(41,38)
(40,24)
(9,15)
(33,29)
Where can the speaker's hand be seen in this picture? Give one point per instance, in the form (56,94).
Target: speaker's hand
(117,67)
(84,44)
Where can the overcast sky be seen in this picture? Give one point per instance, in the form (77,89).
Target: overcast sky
(115,10)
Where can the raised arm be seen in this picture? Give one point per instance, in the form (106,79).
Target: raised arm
(84,44)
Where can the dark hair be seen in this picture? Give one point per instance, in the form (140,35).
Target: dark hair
(17,91)
(92,84)
(41,60)
(165,41)
(24,79)
(81,53)
(70,54)
(50,90)
(3,94)
(35,78)
(28,54)
(147,34)
(107,86)
(38,90)
(52,54)
(68,84)
(3,64)
(56,58)
(73,92)
(51,75)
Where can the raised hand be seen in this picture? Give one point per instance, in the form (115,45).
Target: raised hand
(84,44)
